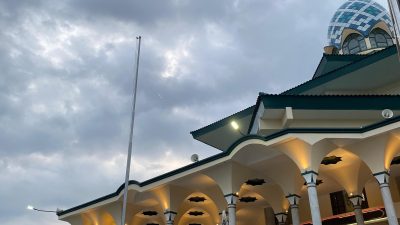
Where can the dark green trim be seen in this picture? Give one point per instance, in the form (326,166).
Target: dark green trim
(292,195)
(223,122)
(332,102)
(256,107)
(370,59)
(326,102)
(308,172)
(229,151)
(379,173)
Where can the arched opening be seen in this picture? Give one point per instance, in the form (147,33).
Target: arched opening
(353,44)
(252,203)
(344,175)
(107,219)
(198,207)
(196,215)
(146,208)
(147,217)
(380,38)
(394,180)
(275,175)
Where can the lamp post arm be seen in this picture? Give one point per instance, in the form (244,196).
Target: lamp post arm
(41,210)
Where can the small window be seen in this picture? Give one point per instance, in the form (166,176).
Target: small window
(338,202)
(353,44)
(380,39)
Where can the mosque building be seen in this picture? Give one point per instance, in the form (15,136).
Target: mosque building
(323,152)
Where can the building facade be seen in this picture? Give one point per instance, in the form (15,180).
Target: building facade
(324,152)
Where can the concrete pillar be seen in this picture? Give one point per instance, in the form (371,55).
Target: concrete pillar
(231,199)
(357,200)
(311,180)
(281,217)
(294,208)
(169,217)
(383,180)
(223,218)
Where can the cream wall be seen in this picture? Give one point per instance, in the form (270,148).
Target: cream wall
(373,194)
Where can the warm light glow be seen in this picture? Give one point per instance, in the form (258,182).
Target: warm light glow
(29,207)
(235,125)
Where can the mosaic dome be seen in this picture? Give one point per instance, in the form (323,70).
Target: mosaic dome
(359,15)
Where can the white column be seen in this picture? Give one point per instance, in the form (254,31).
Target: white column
(169,217)
(294,208)
(357,201)
(223,218)
(311,180)
(383,180)
(231,199)
(281,217)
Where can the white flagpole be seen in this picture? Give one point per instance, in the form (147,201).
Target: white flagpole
(128,160)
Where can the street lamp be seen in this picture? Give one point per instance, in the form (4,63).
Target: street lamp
(29,207)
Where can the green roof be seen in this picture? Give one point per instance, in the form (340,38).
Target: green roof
(220,134)
(330,63)
(356,64)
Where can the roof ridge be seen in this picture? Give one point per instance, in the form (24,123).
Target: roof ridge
(333,95)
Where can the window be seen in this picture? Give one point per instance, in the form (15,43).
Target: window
(338,202)
(380,39)
(354,43)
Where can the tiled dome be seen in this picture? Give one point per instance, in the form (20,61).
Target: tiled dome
(359,15)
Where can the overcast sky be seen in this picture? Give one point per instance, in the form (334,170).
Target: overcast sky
(66,80)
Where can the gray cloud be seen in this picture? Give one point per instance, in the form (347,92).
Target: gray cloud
(66,83)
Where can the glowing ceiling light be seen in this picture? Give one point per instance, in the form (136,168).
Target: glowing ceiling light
(235,125)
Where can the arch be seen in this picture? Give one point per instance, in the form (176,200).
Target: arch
(293,153)
(200,183)
(91,218)
(380,38)
(267,195)
(139,219)
(392,149)
(346,32)
(353,44)
(352,173)
(377,151)
(382,25)
(205,218)
(296,149)
(208,205)
(87,220)
(107,219)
